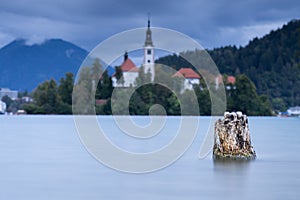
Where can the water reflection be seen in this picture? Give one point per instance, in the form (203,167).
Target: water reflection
(231,166)
(232,176)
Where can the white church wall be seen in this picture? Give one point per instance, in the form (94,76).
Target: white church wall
(130,78)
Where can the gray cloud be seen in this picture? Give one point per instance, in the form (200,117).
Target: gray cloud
(88,22)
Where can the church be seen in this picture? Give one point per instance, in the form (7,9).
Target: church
(130,71)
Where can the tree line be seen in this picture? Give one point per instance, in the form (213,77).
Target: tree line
(56,98)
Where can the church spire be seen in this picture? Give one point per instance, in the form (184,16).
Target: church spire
(148,20)
(148,41)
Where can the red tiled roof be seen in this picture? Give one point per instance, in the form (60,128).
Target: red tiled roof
(231,79)
(186,73)
(129,66)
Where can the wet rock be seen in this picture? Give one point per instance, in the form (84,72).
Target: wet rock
(232,137)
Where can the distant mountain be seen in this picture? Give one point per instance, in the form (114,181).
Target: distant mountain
(271,62)
(24,67)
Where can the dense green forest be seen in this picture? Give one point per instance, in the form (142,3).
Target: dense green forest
(271,62)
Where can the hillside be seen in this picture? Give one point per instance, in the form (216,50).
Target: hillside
(271,62)
(24,67)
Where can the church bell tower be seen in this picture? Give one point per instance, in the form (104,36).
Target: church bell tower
(149,53)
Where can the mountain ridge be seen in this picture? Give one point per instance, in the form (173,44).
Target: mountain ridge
(24,66)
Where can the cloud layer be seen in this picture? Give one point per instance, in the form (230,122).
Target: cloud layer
(88,22)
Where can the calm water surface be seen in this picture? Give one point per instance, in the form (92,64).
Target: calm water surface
(41,157)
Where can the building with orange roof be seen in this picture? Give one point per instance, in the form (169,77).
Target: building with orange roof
(128,65)
(229,82)
(129,72)
(190,78)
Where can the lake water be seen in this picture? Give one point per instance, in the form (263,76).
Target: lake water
(41,157)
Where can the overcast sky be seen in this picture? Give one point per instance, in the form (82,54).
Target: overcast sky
(213,23)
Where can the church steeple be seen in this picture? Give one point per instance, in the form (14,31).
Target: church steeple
(148,41)
(148,20)
(149,53)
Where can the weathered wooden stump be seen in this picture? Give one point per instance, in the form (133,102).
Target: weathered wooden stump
(232,137)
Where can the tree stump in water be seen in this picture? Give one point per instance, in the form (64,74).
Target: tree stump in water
(232,137)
